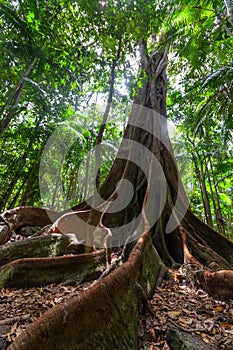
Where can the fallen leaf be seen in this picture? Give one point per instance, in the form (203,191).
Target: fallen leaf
(185,320)
(174,314)
(206,340)
(218,308)
(186,311)
(226,325)
(14,328)
(152,332)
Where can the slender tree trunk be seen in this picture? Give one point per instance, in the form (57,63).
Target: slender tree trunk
(30,179)
(199,178)
(9,191)
(205,194)
(218,215)
(16,196)
(207,171)
(106,114)
(14,98)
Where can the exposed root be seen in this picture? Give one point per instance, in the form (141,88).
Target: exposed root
(218,284)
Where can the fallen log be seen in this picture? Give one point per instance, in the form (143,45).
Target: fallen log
(13,219)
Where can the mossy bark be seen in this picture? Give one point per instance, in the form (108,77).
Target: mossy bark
(39,247)
(30,272)
(169,247)
(104,317)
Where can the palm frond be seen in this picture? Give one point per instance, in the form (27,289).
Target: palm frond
(13,19)
(224,73)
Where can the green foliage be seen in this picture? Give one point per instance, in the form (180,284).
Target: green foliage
(57,58)
(200,101)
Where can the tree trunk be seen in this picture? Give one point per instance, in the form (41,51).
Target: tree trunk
(206,202)
(99,138)
(9,191)
(13,98)
(158,203)
(156,215)
(218,216)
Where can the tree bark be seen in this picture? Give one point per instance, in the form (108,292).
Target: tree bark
(178,339)
(14,97)
(30,272)
(167,215)
(41,246)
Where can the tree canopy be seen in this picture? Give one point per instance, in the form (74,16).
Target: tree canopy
(77,76)
(60,57)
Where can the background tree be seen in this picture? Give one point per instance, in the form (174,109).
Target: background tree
(201,104)
(108,23)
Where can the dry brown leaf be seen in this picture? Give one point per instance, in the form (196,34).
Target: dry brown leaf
(152,332)
(194,301)
(205,339)
(186,311)
(174,314)
(18,331)
(203,335)
(226,325)
(214,331)
(175,276)
(186,320)
(218,308)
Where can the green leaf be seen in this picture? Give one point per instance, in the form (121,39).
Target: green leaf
(225,198)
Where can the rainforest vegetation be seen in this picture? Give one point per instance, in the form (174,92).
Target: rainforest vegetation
(99,94)
(51,69)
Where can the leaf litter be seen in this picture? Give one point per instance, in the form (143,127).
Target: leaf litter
(176,303)
(21,307)
(189,310)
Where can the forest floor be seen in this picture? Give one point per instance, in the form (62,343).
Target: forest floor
(190,311)
(177,303)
